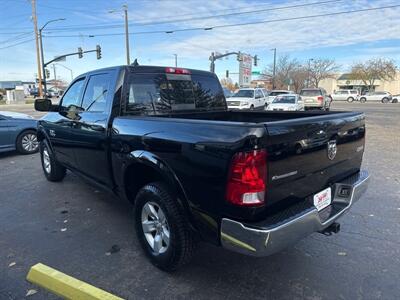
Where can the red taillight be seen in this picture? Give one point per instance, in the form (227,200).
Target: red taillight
(246,178)
(320,98)
(177,71)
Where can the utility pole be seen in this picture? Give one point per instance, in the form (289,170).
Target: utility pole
(128,60)
(274,69)
(176,60)
(34,19)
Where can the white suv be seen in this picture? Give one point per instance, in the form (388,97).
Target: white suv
(345,95)
(247,98)
(384,97)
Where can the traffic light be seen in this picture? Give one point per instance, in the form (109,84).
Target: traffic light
(47,73)
(80,52)
(255,60)
(227,74)
(239,56)
(98,51)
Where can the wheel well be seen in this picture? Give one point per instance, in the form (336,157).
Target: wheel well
(23,131)
(138,175)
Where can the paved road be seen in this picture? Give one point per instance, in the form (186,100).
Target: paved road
(361,262)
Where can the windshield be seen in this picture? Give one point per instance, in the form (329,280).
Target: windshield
(285,99)
(244,94)
(310,93)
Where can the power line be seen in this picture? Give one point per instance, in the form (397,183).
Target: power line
(16,37)
(237,24)
(23,42)
(117,25)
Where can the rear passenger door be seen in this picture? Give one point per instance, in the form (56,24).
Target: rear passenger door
(89,130)
(259,98)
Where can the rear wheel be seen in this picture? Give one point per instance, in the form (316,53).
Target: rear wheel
(363,99)
(395,100)
(51,168)
(162,227)
(385,100)
(27,142)
(350,99)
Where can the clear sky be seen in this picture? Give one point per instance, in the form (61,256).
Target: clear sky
(346,37)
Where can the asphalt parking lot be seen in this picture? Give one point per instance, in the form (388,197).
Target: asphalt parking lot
(71,226)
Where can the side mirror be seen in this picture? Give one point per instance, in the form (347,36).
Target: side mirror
(45,105)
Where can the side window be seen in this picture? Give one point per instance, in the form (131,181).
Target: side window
(96,92)
(72,97)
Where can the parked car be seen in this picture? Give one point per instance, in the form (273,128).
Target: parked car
(286,102)
(315,98)
(34,92)
(164,139)
(247,98)
(18,132)
(384,97)
(345,95)
(272,94)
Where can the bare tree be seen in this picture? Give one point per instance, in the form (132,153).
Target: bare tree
(321,68)
(299,78)
(374,69)
(285,66)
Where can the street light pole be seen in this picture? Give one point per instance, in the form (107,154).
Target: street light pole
(309,72)
(176,60)
(42,52)
(128,60)
(72,74)
(274,69)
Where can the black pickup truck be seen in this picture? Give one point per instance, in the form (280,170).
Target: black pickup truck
(163,139)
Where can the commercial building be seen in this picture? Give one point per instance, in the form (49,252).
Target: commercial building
(344,82)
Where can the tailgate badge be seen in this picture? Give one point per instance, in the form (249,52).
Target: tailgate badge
(332,149)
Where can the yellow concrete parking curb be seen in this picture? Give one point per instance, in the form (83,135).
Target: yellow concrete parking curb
(65,286)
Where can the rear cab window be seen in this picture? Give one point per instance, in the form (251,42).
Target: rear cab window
(310,93)
(163,92)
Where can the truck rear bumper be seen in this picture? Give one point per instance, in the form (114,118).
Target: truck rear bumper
(285,229)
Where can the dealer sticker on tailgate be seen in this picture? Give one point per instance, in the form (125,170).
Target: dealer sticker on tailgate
(323,199)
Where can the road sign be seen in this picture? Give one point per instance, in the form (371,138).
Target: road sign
(245,65)
(62,58)
(255,72)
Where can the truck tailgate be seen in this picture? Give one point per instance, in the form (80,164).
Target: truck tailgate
(307,155)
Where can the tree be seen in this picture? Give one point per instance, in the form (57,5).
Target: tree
(321,68)
(374,69)
(227,82)
(285,67)
(299,78)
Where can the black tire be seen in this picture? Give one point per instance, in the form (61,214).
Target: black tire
(27,142)
(385,100)
(55,172)
(181,238)
(363,99)
(395,100)
(252,107)
(350,99)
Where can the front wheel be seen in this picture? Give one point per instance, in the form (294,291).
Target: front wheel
(350,99)
(162,227)
(51,168)
(27,142)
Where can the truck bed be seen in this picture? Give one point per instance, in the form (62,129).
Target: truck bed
(200,145)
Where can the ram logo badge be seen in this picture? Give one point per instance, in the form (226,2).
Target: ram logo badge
(332,149)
